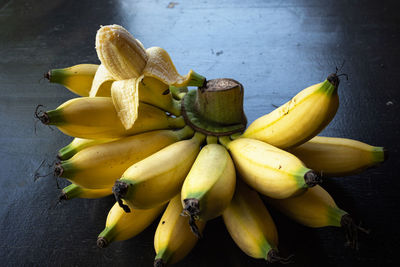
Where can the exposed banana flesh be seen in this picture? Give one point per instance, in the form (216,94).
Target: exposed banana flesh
(77,145)
(159,177)
(122,55)
(75,191)
(209,186)
(300,119)
(250,224)
(332,156)
(78,78)
(100,165)
(173,239)
(270,170)
(96,118)
(122,226)
(125,96)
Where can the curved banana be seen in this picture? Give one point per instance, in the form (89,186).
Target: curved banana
(300,119)
(173,239)
(270,170)
(159,177)
(100,165)
(333,156)
(75,191)
(122,226)
(316,208)
(250,224)
(96,118)
(78,79)
(209,186)
(102,81)
(77,145)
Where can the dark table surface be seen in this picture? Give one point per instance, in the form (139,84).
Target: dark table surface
(274,48)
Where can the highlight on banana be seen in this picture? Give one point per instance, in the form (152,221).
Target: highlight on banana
(178,146)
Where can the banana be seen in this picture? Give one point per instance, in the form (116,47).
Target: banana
(338,156)
(122,226)
(96,118)
(173,239)
(178,92)
(122,55)
(270,170)
(209,186)
(78,79)
(159,177)
(77,145)
(102,82)
(75,191)
(250,225)
(300,119)
(125,58)
(316,208)
(100,165)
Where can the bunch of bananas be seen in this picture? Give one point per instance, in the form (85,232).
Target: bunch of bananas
(142,136)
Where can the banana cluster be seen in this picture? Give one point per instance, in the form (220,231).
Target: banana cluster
(130,140)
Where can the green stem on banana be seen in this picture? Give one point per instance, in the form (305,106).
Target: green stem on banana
(106,236)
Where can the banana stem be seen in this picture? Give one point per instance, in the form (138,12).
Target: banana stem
(224,140)
(212,139)
(185,132)
(351,231)
(70,192)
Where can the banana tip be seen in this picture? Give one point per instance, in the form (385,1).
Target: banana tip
(159,263)
(102,242)
(120,189)
(312,178)
(273,257)
(41,115)
(58,169)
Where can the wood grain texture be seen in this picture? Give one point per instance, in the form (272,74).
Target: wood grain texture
(274,48)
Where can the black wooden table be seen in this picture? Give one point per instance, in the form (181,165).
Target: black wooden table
(274,48)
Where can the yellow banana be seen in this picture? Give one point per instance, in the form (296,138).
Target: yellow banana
(338,156)
(173,239)
(122,226)
(96,118)
(77,145)
(159,177)
(316,208)
(250,225)
(122,55)
(300,119)
(75,191)
(270,170)
(100,165)
(102,82)
(209,186)
(78,79)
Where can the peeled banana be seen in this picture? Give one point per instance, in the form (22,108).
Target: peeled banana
(300,119)
(173,239)
(270,170)
(122,226)
(333,156)
(96,118)
(100,165)
(159,177)
(78,79)
(75,191)
(209,186)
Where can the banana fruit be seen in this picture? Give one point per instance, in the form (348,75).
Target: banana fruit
(270,170)
(316,208)
(209,186)
(300,119)
(96,118)
(75,191)
(100,165)
(77,145)
(173,239)
(250,224)
(122,226)
(102,82)
(78,78)
(159,177)
(338,156)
